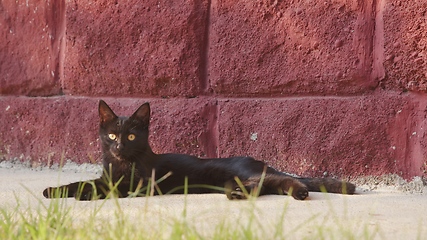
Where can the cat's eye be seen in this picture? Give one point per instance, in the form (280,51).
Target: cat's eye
(112,136)
(131,137)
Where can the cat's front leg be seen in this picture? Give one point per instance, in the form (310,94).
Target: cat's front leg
(58,192)
(80,190)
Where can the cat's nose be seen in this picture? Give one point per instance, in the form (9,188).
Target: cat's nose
(119,146)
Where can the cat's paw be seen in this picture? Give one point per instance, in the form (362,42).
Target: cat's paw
(235,194)
(299,192)
(55,192)
(47,192)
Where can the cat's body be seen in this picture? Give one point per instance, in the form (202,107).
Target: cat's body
(129,161)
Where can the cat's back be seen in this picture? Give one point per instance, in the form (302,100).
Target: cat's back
(187,164)
(174,162)
(188,160)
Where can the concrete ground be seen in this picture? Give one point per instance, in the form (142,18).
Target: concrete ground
(382,213)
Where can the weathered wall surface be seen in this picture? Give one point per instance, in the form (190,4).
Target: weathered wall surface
(317,88)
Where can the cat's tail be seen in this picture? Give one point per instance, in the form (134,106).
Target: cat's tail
(329,185)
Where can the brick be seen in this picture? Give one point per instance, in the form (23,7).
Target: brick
(134,48)
(412,136)
(48,130)
(405,45)
(270,48)
(30,47)
(338,136)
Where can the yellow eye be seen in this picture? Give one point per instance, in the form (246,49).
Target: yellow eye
(131,137)
(112,136)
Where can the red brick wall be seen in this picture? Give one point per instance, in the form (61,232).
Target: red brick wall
(313,87)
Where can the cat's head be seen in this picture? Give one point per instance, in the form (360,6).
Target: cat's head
(124,138)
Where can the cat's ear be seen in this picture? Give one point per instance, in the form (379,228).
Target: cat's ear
(105,113)
(142,114)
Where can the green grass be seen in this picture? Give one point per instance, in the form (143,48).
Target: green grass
(62,218)
(65,219)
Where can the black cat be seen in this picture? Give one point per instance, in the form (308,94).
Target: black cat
(129,165)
